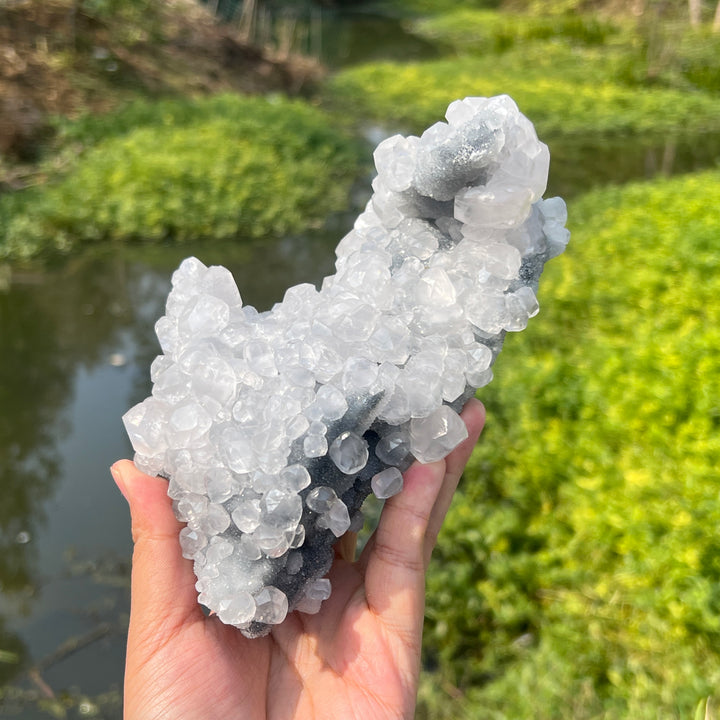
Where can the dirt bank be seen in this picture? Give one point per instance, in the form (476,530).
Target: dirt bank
(57,58)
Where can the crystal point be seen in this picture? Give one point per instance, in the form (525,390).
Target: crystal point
(349,452)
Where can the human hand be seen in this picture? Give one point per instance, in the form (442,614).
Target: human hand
(359,657)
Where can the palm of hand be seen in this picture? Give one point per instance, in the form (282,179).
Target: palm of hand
(307,669)
(357,658)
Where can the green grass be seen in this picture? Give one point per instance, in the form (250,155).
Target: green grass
(560,103)
(578,573)
(650,51)
(223,168)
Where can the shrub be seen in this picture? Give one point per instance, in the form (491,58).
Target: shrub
(224,168)
(578,573)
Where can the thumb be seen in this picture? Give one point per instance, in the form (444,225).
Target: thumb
(163,582)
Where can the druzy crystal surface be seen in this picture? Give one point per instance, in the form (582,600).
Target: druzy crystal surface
(273,427)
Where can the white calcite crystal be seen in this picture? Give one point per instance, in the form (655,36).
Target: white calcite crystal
(273,427)
(387,483)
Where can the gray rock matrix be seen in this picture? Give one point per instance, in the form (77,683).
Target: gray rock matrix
(272,428)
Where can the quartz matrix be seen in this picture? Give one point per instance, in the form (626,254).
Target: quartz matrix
(273,427)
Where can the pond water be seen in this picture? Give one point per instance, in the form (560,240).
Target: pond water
(347,38)
(76,344)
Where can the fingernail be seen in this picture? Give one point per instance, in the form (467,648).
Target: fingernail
(119,481)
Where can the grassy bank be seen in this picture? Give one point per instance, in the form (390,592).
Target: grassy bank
(562,91)
(577,574)
(222,168)
(648,50)
(178,169)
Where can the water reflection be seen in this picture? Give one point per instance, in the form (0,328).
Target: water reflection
(77,342)
(34,388)
(580,163)
(55,328)
(345,36)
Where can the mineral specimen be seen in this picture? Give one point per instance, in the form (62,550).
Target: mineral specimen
(273,427)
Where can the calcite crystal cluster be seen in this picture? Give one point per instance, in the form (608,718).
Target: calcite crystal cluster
(273,427)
